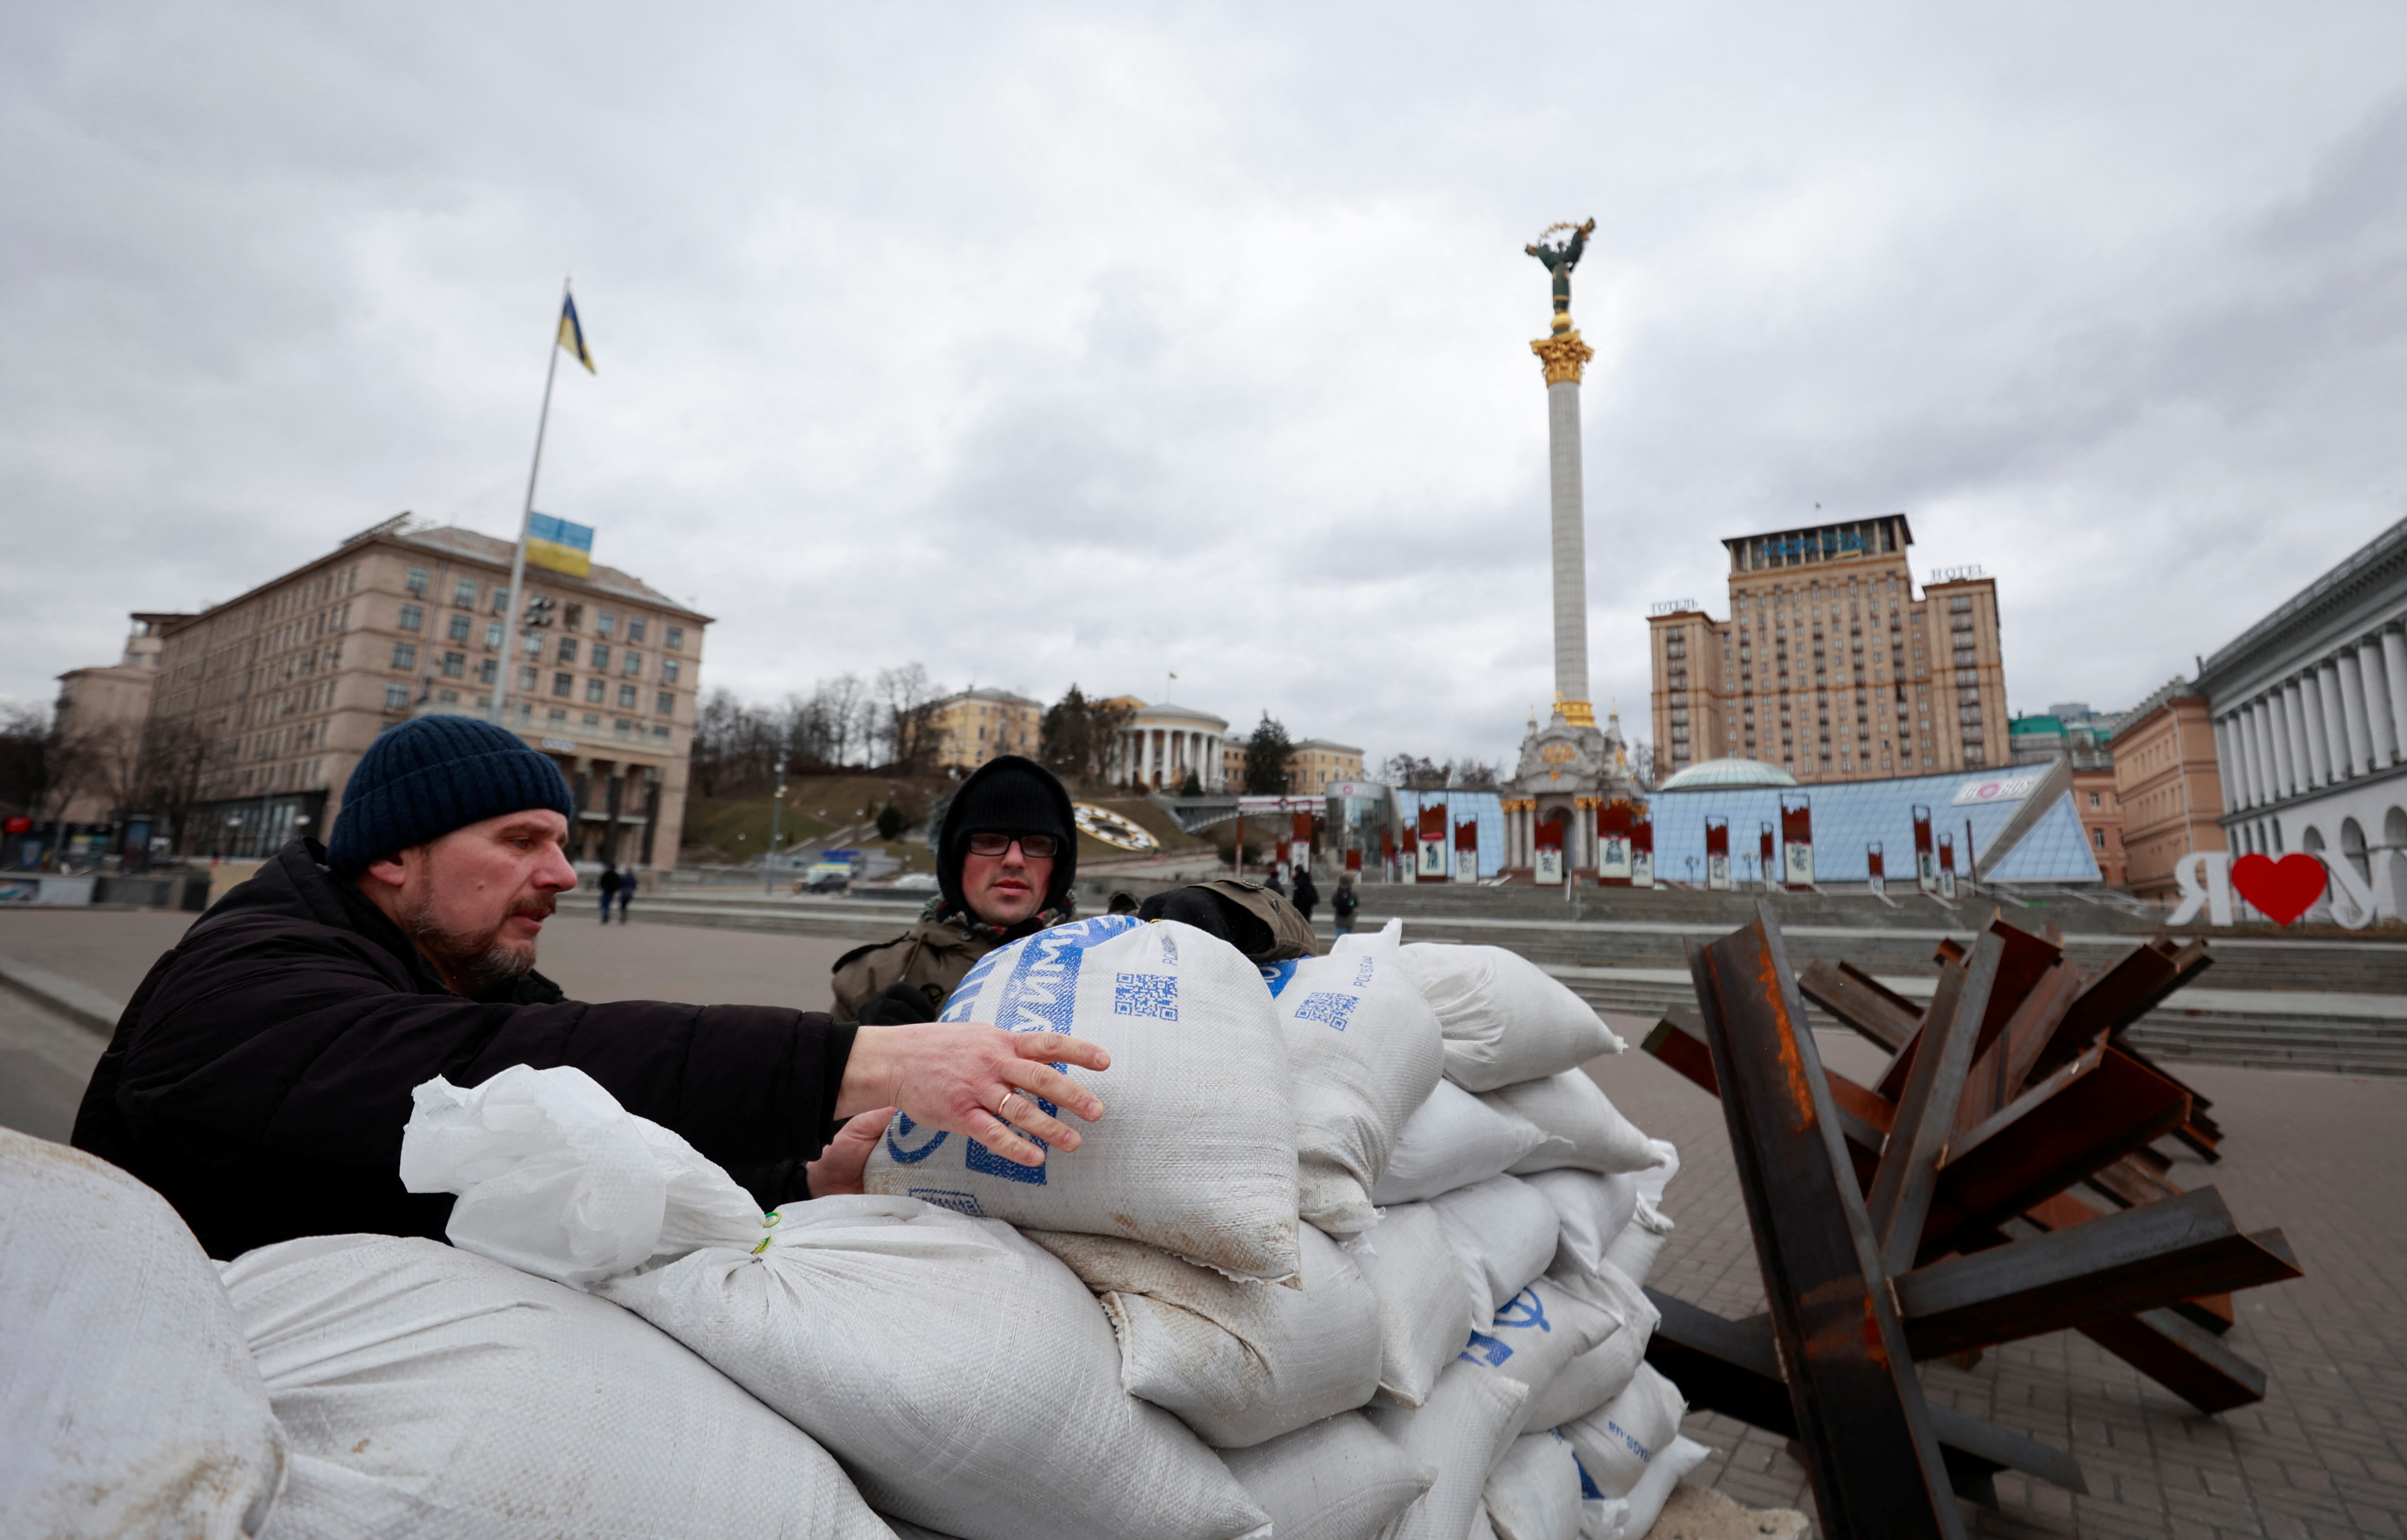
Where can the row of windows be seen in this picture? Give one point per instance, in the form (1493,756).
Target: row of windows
(572,615)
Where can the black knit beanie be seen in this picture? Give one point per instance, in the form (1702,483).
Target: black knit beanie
(432,775)
(1008,795)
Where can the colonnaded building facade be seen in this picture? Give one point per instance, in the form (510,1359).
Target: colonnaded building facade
(1831,667)
(2310,710)
(263,704)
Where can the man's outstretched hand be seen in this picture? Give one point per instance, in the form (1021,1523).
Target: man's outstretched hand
(972,1079)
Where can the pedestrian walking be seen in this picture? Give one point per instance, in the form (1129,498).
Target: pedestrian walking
(609,886)
(1343,903)
(626,892)
(1307,896)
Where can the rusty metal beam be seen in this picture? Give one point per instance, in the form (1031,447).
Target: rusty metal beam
(1859,999)
(1899,1199)
(2116,1265)
(1861,1418)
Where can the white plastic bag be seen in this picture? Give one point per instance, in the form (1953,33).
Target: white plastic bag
(1426,1305)
(1340,1478)
(1655,1178)
(1534,1493)
(1507,1020)
(1597,1375)
(1199,1082)
(1617,1441)
(1459,1432)
(1452,1140)
(1633,1517)
(1238,1363)
(1592,1210)
(432,1392)
(128,1403)
(1640,1245)
(900,1335)
(1503,1230)
(1385,940)
(1583,1128)
(1538,1333)
(1365,1052)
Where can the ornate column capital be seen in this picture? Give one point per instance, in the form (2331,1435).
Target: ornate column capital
(1564,355)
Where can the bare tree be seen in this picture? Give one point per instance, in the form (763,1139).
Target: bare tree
(905,722)
(180,756)
(1414,774)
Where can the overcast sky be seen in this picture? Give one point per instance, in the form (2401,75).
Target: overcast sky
(1051,343)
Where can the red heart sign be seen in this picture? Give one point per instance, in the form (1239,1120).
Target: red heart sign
(2283,889)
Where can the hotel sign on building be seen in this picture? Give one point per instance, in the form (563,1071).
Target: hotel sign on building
(1831,665)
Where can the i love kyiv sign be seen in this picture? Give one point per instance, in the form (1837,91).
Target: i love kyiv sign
(2281,891)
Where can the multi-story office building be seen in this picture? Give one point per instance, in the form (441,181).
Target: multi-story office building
(977,725)
(264,704)
(100,714)
(1318,764)
(1831,667)
(2310,708)
(2167,780)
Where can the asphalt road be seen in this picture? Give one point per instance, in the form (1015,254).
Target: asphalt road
(45,1061)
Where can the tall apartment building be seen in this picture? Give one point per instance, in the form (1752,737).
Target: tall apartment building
(976,725)
(264,704)
(1831,667)
(100,712)
(2169,787)
(1317,763)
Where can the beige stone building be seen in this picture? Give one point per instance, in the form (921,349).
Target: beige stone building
(976,725)
(264,704)
(1318,764)
(100,713)
(2167,780)
(1831,665)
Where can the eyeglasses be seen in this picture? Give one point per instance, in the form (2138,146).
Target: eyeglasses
(1034,846)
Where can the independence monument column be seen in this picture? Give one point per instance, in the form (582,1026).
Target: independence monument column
(1564,355)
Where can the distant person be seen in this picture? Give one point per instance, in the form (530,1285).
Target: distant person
(1342,904)
(1307,896)
(262,1076)
(609,886)
(1005,857)
(626,892)
(1274,881)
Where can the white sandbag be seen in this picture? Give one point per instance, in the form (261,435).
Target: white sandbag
(1426,1305)
(1507,1020)
(1583,1128)
(1503,1230)
(905,1530)
(1640,1245)
(1617,1440)
(1597,1375)
(1239,1363)
(1386,939)
(1633,1517)
(1655,1178)
(431,1391)
(1340,1478)
(1458,1434)
(1365,1052)
(1452,1140)
(1592,1210)
(1480,1527)
(1534,1493)
(1199,1084)
(1535,1336)
(899,1335)
(128,1403)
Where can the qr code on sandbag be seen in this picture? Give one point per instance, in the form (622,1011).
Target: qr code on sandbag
(1154,994)
(1333,1010)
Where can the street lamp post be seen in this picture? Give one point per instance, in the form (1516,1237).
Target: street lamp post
(777,821)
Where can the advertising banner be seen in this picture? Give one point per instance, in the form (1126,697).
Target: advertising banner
(1718,872)
(1642,848)
(1466,851)
(1431,839)
(1925,859)
(1768,864)
(1947,866)
(1796,840)
(1613,843)
(1877,876)
(1999,787)
(1549,851)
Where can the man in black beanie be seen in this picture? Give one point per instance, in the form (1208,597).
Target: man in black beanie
(1005,860)
(261,1077)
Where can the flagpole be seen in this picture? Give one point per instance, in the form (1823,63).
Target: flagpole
(526,522)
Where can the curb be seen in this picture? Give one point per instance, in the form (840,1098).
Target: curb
(85,1006)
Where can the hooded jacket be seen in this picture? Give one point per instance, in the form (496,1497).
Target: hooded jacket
(260,1076)
(934,955)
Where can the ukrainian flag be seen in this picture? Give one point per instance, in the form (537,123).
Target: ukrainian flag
(572,333)
(556,543)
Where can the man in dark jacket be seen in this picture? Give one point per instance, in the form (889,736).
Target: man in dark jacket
(1006,858)
(260,1076)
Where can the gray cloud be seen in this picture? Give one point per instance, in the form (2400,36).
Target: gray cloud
(1095,343)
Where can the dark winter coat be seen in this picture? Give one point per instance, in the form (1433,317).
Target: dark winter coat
(261,1076)
(1307,894)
